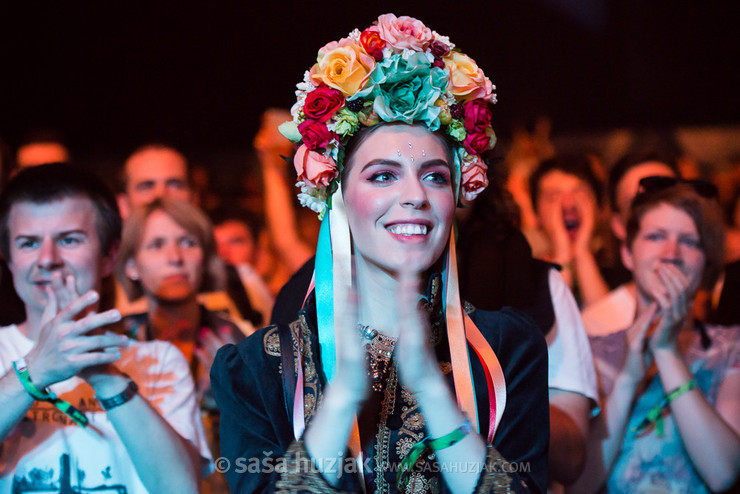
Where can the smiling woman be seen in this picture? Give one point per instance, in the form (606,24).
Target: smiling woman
(380,390)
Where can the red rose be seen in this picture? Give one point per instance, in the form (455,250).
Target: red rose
(372,43)
(477,115)
(476,143)
(315,134)
(322,102)
(438,49)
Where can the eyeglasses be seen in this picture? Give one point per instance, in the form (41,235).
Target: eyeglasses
(655,183)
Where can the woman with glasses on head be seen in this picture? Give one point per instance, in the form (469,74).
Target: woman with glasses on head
(386,381)
(670,418)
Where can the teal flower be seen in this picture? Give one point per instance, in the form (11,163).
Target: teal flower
(406,90)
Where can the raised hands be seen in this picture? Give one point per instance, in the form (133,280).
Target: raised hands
(65,347)
(352,369)
(416,363)
(671,294)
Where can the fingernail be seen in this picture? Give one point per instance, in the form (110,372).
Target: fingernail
(93,296)
(115,315)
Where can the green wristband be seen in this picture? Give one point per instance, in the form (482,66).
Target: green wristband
(655,415)
(21,370)
(428,445)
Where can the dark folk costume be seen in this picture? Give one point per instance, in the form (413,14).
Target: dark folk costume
(254,384)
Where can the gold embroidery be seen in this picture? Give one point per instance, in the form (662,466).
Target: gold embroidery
(299,475)
(494,478)
(271,342)
(311,391)
(404,446)
(382,438)
(445,367)
(414,422)
(469,308)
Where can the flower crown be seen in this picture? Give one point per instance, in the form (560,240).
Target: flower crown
(396,70)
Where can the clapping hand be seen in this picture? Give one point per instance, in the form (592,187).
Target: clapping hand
(671,296)
(417,365)
(352,369)
(65,347)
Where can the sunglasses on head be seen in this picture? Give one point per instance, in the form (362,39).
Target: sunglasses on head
(653,184)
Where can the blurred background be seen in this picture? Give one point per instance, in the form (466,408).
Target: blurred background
(109,77)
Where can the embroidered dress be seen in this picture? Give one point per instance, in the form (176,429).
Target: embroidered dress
(249,382)
(647,462)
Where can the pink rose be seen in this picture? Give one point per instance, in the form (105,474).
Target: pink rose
(476,143)
(474,179)
(467,81)
(404,32)
(322,102)
(315,134)
(372,43)
(477,115)
(314,169)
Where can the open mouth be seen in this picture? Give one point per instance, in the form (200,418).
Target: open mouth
(572,224)
(407,229)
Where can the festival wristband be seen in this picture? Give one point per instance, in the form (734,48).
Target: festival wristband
(429,446)
(21,370)
(655,415)
(119,399)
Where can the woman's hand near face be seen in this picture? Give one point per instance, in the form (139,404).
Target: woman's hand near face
(417,365)
(586,206)
(638,359)
(674,307)
(352,371)
(554,226)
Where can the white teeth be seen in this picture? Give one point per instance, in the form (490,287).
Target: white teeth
(408,229)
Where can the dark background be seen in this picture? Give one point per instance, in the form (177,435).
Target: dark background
(198,74)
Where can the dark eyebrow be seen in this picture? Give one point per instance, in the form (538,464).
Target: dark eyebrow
(396,164)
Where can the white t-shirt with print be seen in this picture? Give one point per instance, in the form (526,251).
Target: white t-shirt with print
(46,451)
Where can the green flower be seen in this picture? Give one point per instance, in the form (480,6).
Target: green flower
(347,122)
(456,129)
(405,90)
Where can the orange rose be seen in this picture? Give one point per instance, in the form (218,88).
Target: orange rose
(344,66)
(467,81)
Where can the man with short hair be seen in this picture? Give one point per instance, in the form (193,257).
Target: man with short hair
(83,406)
(153,171)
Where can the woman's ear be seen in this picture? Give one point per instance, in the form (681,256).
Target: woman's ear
(131,270)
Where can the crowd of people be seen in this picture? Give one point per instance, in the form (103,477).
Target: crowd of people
(455,320)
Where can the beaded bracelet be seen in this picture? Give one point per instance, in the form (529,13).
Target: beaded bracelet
(655,415)
(21,370)
(428,445)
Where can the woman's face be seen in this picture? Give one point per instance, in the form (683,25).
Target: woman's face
(399,198)
(667,234)
(169,262)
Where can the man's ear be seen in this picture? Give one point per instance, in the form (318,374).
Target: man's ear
(123,205)
(109,260)
(615,222)
(627,258)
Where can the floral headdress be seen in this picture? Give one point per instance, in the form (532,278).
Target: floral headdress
(397,70)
